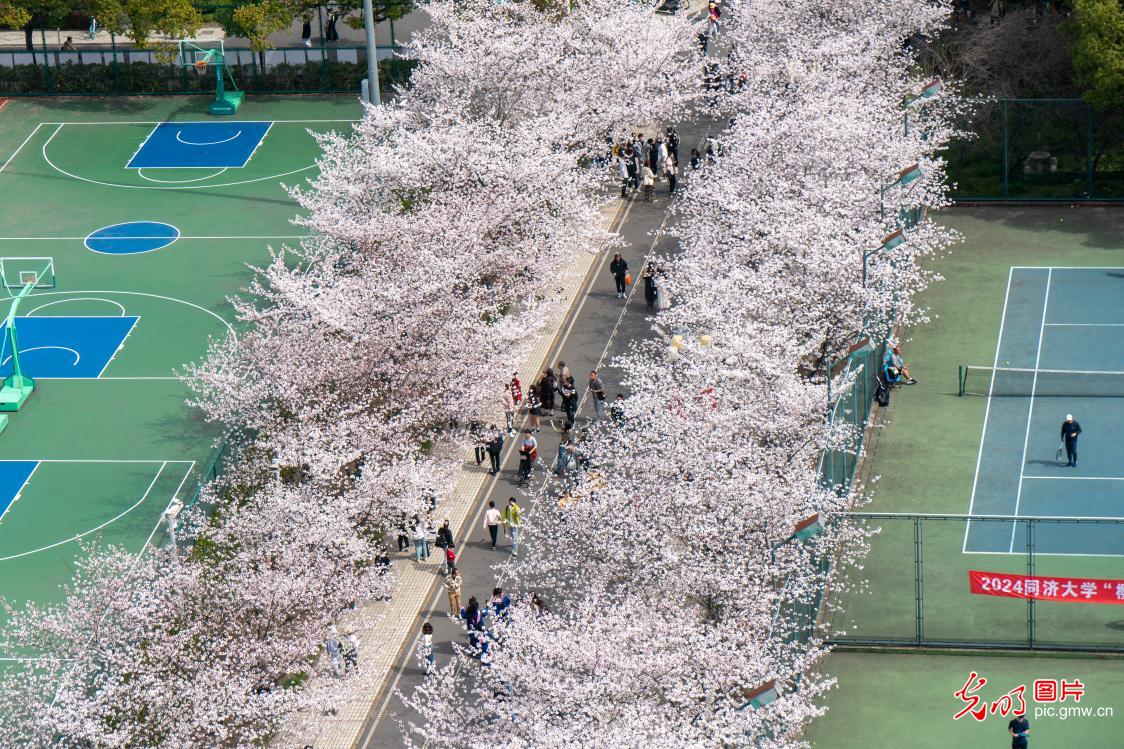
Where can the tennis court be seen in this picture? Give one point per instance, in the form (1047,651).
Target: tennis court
(148,211)
(950,453)
(1060,351)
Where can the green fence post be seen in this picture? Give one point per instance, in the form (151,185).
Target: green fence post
(1006,146)
(116,70)
(46,60)
(1030,634)
(918,580)
(1089,153)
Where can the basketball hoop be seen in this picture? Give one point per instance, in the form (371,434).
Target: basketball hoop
(201,65)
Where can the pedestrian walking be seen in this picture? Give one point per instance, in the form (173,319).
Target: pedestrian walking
(1019,728)
(512,519)
(403,533)
(495,448)
(1070,431)
(350,653)
(670,168)
(492,521)
(622,172)
(516,388)
(619,268)
(335,654)
(546,393)
(648,180)
(480,449)
(616,411)
(453,589)
(509,409)
(534,407)
(425,648)
(597,393)
(528,453)
(306,31)
(446,544)
(569,393)
(473,617)
(649,276)
(565,460)
(421,541)
(673,144)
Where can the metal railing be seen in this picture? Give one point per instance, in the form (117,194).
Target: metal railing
(120,71)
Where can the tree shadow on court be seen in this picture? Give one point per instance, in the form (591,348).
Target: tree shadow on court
(1099,227)
(211,192)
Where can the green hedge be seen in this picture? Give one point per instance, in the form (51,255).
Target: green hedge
(148,78)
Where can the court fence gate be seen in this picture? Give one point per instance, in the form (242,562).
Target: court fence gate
(918,592)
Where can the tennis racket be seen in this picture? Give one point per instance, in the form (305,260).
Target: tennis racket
(1060,453)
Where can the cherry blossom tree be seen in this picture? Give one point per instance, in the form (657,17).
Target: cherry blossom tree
(683,570)
(438,228)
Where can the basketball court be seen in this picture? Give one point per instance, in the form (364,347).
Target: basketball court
(146,212)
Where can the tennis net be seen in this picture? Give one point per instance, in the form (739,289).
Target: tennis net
(1043,383)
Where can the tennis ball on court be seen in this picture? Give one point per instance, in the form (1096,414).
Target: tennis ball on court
(1006,363)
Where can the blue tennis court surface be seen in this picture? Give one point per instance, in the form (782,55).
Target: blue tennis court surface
(190,145)
(1064,328)
(67,347)
(13,475)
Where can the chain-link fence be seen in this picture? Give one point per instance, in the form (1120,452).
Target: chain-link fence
(917,590)
(1038,150)
(837,467)
(128,71)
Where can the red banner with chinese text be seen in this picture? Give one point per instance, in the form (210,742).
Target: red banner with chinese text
(1040,588)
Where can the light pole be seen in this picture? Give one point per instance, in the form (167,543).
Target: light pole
(373,96)
(905,177)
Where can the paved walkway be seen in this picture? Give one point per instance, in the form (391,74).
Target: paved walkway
(382,646)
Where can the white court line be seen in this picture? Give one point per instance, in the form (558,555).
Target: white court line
(20,147)
(95,379)
(1070,267)
(210,143)
(67,239)
(184,122)
(85,533)
(80,299)
(19,491)
(1040,554)
(94,460)
(229,327)
(217,185)
(1075,478)
(1085,325)
(1030,411)
(256,147)
(987,409)
(142,175)
(139,148)
(120,346)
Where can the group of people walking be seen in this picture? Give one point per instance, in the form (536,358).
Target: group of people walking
(641,162)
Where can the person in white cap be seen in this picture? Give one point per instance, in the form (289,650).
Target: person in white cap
(1070,430)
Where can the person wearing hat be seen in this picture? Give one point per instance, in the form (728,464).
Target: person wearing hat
(1070,430)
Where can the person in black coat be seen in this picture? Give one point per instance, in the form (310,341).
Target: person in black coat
(495,448)
(549,385)
(1070,430)
(619,269)
(650,291)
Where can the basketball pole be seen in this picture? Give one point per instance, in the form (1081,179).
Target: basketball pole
(374,98)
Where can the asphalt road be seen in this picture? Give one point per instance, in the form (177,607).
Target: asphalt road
(600,328)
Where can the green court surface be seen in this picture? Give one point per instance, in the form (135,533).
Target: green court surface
(909,701)
(113,447)
(925,453)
